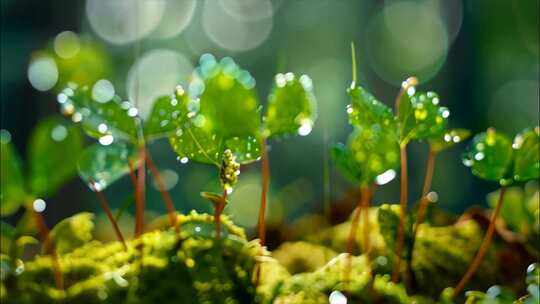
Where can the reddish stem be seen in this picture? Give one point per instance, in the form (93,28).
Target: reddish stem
(132,175)
(218,210)
(49,247)
(265,177)
(403,204)
(483,247)
(139,193)
(164,193)
(105,206)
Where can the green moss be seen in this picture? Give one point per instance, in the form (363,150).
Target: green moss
(157,268)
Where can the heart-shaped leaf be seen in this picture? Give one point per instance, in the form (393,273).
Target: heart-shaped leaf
(420,116)
(246,149)
(102,114)
(489,155)
(199,144)
(12,192)
(366,110)
(448,139)
(228,101)
(100,166)
(54,149)
(370,152)
(526,155)
(168,114)
(291,106)
(73,232)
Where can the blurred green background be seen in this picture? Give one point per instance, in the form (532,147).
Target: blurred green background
(482,57)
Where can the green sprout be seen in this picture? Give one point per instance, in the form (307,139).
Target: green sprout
(493,156)
(54,147)
(371,154)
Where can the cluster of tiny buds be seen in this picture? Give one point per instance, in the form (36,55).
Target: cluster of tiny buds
(230,170)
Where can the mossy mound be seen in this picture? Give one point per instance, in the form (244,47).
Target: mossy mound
(159,267)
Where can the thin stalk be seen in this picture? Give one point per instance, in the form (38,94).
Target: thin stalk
(164,193)
(483,247)
(139,193)
(49,246)
(365,198)
(218,210)
(404,184)
(105,206)
(422,208)
(353,64)
(265,179)
(132,175)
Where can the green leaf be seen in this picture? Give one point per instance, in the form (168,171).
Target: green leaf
(168,114)
(448,139)
(421,117)
(388,218)
(100,166)
(228,101)
(291,106)
(366,110)
(199,144)
(215,198)
(370,152)
(73,232)
(54,148)
(526,155)
(7,237)
(246,149)
(12,192)
(489,155)
(103,115)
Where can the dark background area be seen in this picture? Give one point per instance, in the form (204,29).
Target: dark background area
(481,57)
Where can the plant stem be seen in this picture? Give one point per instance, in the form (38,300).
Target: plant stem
(483,247)
(218,210)
(403,204)
(140,192)
(49,246)
(265,179)
(164,193)
(132,175)
(365,198)
(421,213)
(105,206)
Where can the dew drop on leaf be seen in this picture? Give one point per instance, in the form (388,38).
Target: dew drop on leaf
(39,205)
(336,297)
(106,140)
(59,133)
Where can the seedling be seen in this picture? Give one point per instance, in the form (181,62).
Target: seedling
(54,147)
(371,153)
(492,156)
(122,137)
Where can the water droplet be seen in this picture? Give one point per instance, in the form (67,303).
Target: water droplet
(106,140)
(103,91)
(456,139)
(305,128)
(102,128)
(280,80)
(179,132)
(77,117)
(336,297)
(5,136)
(435,100)
(479,156)
(432,196)
(467,162)
(445,113)
(59,133)
(411,91)
(184,160)
(199,121)
(447,137)
(61,98)
(349,109)
(289,76)
(306,82)
(39,205)
(385,177)
(132,112)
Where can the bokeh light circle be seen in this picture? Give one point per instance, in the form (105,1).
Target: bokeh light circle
(124,21)
(407,38)
(248,10)
(67,44)
(43,73)
(233,33)
(176,17)
(155,74)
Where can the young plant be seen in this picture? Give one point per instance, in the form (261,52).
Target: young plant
(122,137)
(54,147)
(419,117)
(492,156)
(371,153)
(222,126)
(291,109)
